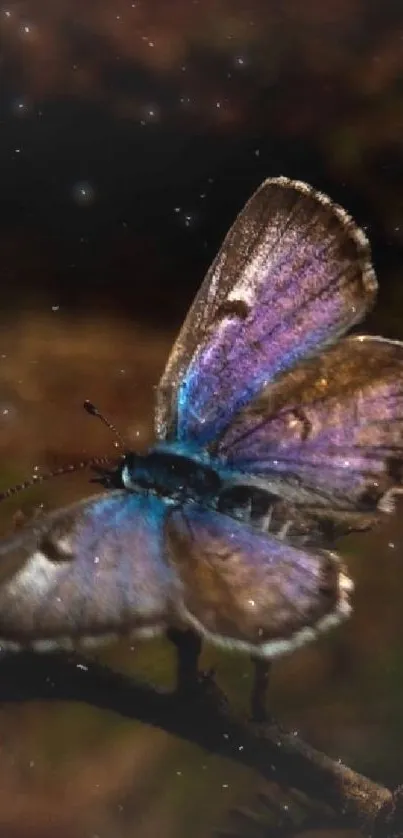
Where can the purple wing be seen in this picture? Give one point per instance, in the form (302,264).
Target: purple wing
(330,432)
(129,564)
(292,275)
(246,590)
(91,569)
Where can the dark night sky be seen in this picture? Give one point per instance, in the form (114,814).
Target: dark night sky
(130,137)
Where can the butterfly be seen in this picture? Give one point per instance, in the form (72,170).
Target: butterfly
(275,434)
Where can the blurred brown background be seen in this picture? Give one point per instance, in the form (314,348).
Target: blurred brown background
(131,133)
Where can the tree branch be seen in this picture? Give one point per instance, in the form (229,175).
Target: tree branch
(205,718)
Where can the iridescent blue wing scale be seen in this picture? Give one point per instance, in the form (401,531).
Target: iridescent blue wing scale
(292,275)
(330,432)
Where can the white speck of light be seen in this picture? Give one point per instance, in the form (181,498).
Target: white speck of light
(252,602)
(96,560)
(152,112)
(7,13)
(5,411)
(240,61)
(83,193)
(20,107)
(27,29)
(55,308)
(391,544)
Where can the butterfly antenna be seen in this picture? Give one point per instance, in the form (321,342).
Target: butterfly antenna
(94,462)
(99,464)
(93,411)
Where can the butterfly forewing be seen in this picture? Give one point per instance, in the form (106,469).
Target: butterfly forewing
(292,275)
(251,591)
(92,568)
(330,432)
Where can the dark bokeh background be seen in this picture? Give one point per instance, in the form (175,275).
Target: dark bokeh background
(130,135)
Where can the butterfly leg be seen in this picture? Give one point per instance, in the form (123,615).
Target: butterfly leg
(260,688)
(188,646)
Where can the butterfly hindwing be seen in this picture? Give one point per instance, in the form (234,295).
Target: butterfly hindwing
(329,433)
(248,590)
(292,275)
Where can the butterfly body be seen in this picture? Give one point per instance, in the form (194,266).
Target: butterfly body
(173,472)
(274,435)
(125,564)
(183,474)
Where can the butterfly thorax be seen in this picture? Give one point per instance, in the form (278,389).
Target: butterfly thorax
(171,475)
